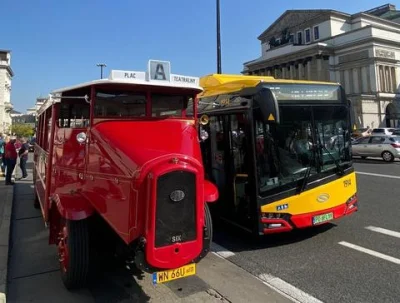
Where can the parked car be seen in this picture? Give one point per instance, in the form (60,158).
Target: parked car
(383,131)
(387,147)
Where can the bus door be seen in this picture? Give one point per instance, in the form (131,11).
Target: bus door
(239,168)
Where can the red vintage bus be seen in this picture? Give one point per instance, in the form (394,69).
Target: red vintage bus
(118,169)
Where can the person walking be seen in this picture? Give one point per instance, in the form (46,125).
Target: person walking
(23,157)
(2,154)
(11,159)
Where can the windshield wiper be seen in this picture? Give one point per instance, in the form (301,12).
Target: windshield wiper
(322,146)
(305,179)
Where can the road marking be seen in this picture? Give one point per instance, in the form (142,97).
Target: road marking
(285,289)
(371,252)
(384,231)
(221,251)
(288,290)
(377,175)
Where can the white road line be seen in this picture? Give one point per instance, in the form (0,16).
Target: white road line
(285,289)
(384,231)
(377,175)
(371,252)
(288,290)
(221,251)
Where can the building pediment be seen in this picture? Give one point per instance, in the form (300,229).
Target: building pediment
(293,19)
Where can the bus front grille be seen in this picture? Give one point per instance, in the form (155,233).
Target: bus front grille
(175,208)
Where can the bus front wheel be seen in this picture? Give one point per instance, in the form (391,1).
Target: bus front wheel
(73,252)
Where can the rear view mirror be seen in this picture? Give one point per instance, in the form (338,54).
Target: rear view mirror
(268,104)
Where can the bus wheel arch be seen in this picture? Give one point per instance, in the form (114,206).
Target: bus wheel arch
(207,235)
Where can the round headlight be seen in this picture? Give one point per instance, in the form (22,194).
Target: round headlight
(203,134)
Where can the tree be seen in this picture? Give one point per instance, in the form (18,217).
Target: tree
(22,130)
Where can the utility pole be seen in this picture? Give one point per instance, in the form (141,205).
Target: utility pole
(101,65)
(219,71)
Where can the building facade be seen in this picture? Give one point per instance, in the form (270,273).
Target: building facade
(6,75)
(360,51)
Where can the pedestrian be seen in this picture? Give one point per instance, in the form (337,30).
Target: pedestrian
(23,157)
(11,159)
(2,154)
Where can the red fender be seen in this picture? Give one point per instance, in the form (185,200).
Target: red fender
(210,192)
(73,206)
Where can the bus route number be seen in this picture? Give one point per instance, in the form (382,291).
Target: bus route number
(347,183)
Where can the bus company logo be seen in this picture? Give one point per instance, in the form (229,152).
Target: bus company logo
(282,207)
(177,195)
(323,198)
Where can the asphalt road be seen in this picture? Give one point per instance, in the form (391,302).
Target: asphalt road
(355,259)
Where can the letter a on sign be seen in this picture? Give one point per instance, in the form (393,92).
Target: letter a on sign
(159,70)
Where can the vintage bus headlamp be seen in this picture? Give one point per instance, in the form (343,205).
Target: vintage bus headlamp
(203,134)
(81,137)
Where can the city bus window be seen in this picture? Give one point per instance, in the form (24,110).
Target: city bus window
(218,149)
(118,104)
(238,142)
(167,105)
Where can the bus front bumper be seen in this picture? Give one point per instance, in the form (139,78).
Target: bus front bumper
(291,222)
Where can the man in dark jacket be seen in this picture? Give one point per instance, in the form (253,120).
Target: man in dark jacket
(23,157)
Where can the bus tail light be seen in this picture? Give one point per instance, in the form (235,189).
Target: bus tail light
(275,222)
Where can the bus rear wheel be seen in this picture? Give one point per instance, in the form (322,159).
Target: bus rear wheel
(73,252)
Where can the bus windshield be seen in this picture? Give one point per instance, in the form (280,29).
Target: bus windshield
(122,104)
(309,141)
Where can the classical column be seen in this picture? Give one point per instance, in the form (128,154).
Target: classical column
(308,77)
(319,67)
(284,71)
(326,68)
(301,70)
(292,72)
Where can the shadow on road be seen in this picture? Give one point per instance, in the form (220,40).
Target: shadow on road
(239,241)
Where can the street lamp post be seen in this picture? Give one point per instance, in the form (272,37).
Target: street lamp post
(101,65)
(219,71)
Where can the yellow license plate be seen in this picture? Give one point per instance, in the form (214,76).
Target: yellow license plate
(173,274)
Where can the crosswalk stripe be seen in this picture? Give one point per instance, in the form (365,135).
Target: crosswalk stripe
(384,231)
(371,252)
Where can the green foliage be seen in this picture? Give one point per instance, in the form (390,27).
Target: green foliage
(22,130)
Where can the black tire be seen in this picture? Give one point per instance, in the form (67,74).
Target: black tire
(36,203)
(209,223)
(76,274)
(208,234)
(387,156)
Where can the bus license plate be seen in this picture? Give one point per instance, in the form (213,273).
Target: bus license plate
(173,274)
(322,218)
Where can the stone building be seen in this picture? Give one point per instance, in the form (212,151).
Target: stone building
(6,75)
(360,51)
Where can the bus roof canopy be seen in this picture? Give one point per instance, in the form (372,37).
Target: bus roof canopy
(216,84)
(158,74)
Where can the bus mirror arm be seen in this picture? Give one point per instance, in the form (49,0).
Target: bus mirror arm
(268,104)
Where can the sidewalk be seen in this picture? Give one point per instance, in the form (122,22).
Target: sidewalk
(34,272)
(6,204)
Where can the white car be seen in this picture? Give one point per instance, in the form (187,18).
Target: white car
(387,147)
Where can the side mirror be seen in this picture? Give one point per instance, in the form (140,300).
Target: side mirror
(268,104)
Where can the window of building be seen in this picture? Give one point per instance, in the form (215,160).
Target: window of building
(299,38)
(307,35)
(291,38)
(316,32)
(278,41)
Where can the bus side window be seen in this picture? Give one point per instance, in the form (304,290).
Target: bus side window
(75,115)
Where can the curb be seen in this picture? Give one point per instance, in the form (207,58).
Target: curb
(5,239)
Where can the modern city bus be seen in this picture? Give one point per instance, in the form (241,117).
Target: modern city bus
(118,171)
(279,151)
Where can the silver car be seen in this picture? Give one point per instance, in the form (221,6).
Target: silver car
(387,147)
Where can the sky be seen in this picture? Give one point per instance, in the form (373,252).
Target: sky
(58,43)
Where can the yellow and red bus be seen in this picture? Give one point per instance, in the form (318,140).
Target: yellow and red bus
(278,150)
